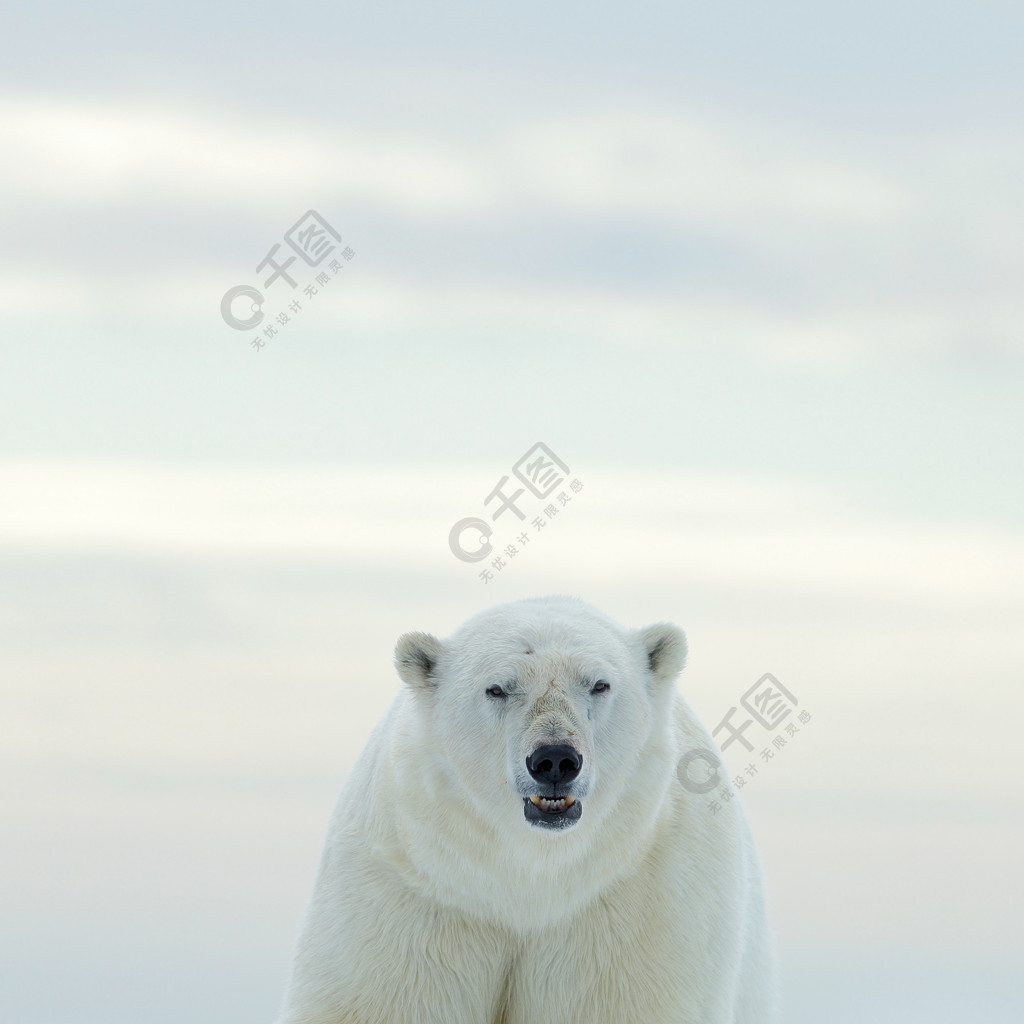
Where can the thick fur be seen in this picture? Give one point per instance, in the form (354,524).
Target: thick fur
(437,902)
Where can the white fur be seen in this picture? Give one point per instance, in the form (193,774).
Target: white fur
(438,903)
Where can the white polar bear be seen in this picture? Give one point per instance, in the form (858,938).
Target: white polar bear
(514,845)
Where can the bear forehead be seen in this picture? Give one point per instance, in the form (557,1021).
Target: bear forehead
(542,654)
(540,637)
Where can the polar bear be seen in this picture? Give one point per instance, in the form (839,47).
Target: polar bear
(514,845)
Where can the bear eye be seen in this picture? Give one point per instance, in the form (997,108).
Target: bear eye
(600,687)
(495,691)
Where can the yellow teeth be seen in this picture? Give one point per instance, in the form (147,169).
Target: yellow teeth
(552,805)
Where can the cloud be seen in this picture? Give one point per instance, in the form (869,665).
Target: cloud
(737,532)
(817,249)
(101,152)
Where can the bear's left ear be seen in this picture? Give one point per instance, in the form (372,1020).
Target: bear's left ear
(665,645)
(416,657)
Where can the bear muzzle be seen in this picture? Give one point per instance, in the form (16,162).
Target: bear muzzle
(555,766)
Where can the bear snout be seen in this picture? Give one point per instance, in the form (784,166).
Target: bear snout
(554,763)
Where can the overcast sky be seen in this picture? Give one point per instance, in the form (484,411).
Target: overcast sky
(716,239)
(753,273)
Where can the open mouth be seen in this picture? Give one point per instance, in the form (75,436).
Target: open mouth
(551,812)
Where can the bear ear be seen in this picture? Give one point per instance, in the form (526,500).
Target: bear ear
(665,645)
(416,656)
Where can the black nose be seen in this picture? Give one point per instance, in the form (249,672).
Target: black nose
(554,763)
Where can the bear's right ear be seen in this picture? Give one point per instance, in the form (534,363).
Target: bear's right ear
(416,656)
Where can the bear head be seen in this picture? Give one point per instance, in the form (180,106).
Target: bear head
(542,709)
